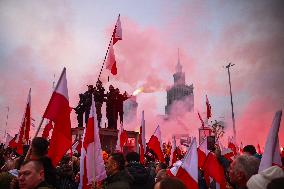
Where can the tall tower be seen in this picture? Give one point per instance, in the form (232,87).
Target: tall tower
(180,91)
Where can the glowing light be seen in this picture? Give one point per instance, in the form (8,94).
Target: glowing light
(281,149)
(137,91)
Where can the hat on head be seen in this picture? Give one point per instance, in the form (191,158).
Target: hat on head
(261,180)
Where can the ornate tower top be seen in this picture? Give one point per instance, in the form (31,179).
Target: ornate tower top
(178,66)
(179,76)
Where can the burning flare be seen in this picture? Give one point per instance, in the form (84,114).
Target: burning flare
(137,91)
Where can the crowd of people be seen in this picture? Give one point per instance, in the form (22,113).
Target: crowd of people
(34,170)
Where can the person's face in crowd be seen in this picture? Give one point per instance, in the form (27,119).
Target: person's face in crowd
(29,177)
(111,166)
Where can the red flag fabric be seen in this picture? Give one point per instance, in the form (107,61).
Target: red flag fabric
(117,33)
(202,152)
(23,136)
(208,107)
(123,138)
(58,111)
(271,155)
(91,161)
(141,140)
(259,151)
(110,61)
(12,143)
(155,144)
(188,171)
(47,128)
(214,169)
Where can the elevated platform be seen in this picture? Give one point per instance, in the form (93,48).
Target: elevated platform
(108,138)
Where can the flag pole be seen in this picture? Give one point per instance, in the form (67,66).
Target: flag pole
(107,51)
(40,124)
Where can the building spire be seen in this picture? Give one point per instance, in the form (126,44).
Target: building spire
(178,66)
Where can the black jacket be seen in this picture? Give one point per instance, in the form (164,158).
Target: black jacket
(140,175)
(120,180)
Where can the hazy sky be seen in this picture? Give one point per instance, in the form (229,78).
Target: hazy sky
(39,38)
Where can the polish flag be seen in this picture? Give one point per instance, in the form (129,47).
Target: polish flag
(122,139)
(9,138)
(47,128)
(23,136)
(91,160)
(228,154)
(173,171)
(232,145)
(271,155)
(202,152)
(208,107)
(212,168)
(76,147)
(174,151)
(117,33)
(188,171)
(110,61)
(155,143)
(58,111)
(142,140)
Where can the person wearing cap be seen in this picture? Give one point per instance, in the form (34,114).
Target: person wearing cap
(261,180)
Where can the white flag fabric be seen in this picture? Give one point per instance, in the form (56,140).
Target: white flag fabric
(271,153)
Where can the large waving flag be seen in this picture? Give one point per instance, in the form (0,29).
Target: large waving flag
(58,111)
(155,144)
(92,164)
(23,136)
(202,152)
(271,155)
(117,32)
(142,140)
(188,171)
(212,168)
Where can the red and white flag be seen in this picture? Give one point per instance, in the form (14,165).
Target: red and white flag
(188,171)
(58,111)
(9,138)
(121,139)
(117,33)
(208,107)
(202,152)
(142,140)
(271,155)
(47,128)
(76,147)
(23,136)
(110,61)
(155,143)
(174,151)
(91,161)
(212,168)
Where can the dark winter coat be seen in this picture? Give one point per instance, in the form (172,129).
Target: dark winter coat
(140,175)
(120,180)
